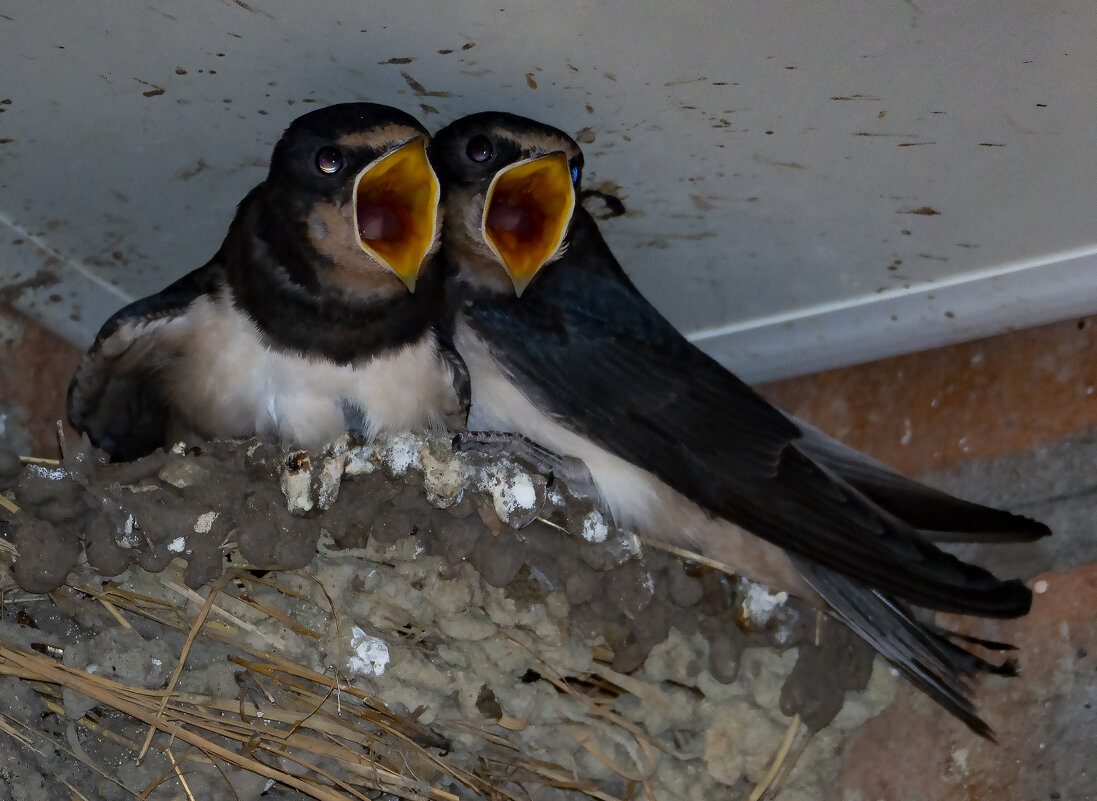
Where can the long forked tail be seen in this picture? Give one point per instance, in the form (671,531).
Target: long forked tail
(925,654)
(938,516)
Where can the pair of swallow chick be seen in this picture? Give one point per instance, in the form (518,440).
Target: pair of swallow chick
(340,299)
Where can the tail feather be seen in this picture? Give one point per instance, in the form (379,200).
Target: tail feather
(990,645)
(925,654)
(940,517)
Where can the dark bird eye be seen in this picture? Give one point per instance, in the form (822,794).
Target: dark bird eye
(329,160)
(480,149)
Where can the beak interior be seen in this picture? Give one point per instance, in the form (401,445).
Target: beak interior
(526,214)
(396,209)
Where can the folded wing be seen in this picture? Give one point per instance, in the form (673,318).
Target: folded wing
(115,396)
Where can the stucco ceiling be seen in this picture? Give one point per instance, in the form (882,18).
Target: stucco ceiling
(805,183)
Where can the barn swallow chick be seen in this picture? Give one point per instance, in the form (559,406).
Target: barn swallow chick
(316,315)
(563,350)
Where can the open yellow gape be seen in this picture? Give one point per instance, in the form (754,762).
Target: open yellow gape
(526,214)
(396,201)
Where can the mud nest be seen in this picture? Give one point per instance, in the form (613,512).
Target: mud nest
(390,619)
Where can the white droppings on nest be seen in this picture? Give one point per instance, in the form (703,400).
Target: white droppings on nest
(1040,587)
(52,473)
(371,655)
(783,631)
(361,460)
(595,528)
(205,522)
(760,604)
(129,537)
(444,478)
(403,453)
(179,448)
(331,477)
(177,545)
(511,489)
(520,493)
(958,757)
(296,482)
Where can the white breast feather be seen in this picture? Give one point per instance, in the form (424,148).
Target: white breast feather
(230,383)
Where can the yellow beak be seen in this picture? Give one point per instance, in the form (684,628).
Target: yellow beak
(526,215)
(396,201)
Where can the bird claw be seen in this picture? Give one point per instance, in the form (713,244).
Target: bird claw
(506,444)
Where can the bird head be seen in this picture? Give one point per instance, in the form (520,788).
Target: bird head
(357,174)
(511,185)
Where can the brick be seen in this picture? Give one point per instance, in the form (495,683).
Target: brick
(35,368)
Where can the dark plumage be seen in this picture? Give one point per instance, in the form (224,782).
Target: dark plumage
(683,450)
(297,328)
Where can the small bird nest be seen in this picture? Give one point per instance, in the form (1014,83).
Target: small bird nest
(413,656)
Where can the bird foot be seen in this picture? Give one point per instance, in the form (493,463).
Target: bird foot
(506,444)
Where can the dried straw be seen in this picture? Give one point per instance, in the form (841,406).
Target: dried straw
(313,732)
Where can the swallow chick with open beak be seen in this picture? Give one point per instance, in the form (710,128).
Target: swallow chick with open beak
(562,349)
(316,315)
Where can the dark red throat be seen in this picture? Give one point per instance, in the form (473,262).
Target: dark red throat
(378,222)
